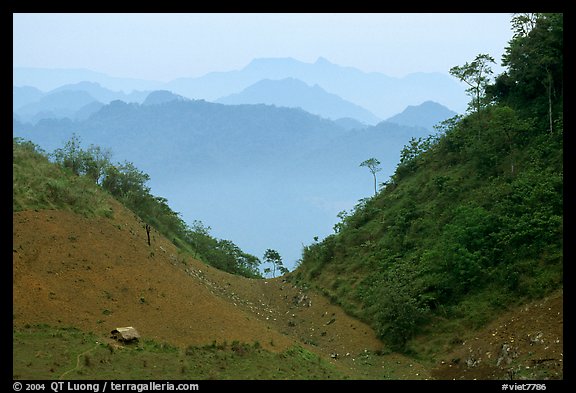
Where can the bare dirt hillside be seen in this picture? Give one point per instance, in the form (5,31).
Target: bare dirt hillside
(524,343)
(97,274)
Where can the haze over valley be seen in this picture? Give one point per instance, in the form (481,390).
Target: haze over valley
(267,166)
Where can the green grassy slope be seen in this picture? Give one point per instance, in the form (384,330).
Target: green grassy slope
(39,184)
(51,353)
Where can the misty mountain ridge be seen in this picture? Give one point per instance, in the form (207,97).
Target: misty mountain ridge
(23,95)
(279,168)
(158,97)
(426,115)
(60,104)
(350,124)
(382,95)
(103,94)
(292,93)
(47,79)
(74,101)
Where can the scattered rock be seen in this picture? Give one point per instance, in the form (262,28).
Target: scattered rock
(507,354)
(302,300)
(125,334)
(472,361)
(537,339)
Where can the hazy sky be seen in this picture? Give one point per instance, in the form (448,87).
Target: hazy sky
(166,46)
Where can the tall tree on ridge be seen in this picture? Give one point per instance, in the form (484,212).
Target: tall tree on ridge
(372,165)
(476,75)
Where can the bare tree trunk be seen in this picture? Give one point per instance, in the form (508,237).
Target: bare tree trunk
(550,102)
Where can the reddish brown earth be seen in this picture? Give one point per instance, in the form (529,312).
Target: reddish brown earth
(97,274)
(524,343)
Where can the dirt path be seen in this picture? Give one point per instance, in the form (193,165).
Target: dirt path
(78,362)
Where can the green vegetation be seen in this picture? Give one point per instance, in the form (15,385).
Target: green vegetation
(471,222)
(50,353)
(82,181)
(476,75)
(533,83)
(273,257)
(373,165)
(39,184)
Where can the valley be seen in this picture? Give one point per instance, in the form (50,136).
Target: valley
(265,223)
(97,274)
(94,275)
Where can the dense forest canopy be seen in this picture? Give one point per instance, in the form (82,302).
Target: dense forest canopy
(533,83)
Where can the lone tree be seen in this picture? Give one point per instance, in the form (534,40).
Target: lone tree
(476,75)
(372,165)
(274,258)
(148,233)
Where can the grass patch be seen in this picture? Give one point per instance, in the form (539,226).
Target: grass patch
(40,184)
(44,352)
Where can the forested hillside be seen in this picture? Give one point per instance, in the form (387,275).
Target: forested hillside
(471,222)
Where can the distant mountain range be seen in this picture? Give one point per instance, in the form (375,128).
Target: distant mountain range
(425,115)
(55,105)
(47,79)
(281,156)
(74,101)
(294,93)
(162,97)
(244,169)
(381,95)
